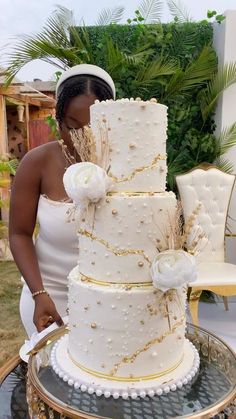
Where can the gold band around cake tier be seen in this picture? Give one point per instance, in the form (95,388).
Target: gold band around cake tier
(126,379)
(135,193)
(126,286)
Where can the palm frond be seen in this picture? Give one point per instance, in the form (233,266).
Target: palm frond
(80,39)
(149,73)
(179,161)
(183,43)
(226,140)
(52,45)
(196,74)
(224,164)
(138,57)
(151,10)
(8,166)
(108,16)
(114,57)
(178,10)
(220,81)
(13,166)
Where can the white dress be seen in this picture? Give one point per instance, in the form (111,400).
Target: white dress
(57,251)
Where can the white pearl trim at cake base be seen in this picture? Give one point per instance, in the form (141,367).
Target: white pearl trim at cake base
(153,390)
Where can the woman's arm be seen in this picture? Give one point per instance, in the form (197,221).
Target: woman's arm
(23,210)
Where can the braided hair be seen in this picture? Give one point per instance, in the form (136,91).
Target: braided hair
(79,85)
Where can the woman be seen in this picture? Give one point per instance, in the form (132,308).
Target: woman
(38,194)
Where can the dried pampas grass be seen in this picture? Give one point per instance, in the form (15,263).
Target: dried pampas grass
(180,234)
(84,143)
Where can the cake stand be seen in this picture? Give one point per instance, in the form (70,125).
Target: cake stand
(212,393)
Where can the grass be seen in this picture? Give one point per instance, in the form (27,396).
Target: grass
(12,333)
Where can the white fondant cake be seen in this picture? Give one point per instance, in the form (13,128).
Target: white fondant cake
(137,143)
(127,337)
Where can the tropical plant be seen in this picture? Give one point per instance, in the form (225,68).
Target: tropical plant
(174,62)
(8,167)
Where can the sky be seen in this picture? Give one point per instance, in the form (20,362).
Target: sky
(19,17)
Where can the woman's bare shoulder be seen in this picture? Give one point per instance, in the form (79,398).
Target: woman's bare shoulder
(41,152)
(39,157)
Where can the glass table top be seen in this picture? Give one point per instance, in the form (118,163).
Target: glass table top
(208,393)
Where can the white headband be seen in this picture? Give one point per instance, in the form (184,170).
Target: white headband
(84,69)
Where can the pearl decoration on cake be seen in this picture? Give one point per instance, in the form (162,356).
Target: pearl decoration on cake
(140,264)
(114,212)
(151,393)
(115,393)
(159,392)
(93,325)
(98,392)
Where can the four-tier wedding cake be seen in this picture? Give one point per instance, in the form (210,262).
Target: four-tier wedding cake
(127,295)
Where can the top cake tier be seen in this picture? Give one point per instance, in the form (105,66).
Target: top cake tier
(135,132)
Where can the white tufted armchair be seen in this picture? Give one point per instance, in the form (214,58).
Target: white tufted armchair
(210,188)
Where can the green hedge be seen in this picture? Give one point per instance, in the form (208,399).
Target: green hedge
(190,141)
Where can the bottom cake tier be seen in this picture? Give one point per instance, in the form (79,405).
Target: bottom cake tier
(158,386)
(124,337)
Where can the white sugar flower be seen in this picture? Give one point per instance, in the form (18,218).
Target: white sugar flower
(173,269)
(86,182)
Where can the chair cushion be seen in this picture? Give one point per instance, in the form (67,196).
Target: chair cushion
(215,273)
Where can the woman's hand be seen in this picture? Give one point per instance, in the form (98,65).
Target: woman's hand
(45,312)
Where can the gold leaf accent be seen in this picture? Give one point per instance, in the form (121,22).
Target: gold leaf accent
(138,170)
(117,252)
(159,339)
